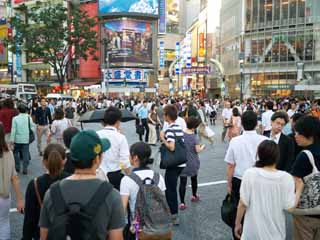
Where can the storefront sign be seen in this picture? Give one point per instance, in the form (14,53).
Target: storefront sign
(279,87)
(125,74)
(188,51)
(161,54)
(196,70)
(201,45)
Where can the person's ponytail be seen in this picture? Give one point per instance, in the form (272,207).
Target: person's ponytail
(53,157)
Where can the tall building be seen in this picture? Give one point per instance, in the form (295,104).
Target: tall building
(274,43)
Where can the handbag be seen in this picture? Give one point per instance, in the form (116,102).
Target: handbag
(31,133)
(309,202)
(170,159)
(229,210)
(140,129)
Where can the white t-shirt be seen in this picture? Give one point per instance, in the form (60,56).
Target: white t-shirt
(267,195)
(128,187)
(266,120)
(58,127)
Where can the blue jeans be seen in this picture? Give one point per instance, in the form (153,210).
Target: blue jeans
(21,153)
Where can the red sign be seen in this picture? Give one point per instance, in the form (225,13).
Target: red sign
(201,45)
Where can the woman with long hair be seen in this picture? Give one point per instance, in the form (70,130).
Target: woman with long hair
(153,120)
(8,178)
(265,194)
(53,160)
(235,124)
(58,126)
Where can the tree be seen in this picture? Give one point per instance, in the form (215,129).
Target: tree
(55,34)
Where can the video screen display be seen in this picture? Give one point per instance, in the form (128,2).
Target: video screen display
(129,41)
(147,7)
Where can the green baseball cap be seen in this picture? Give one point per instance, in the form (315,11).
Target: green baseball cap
(86,145)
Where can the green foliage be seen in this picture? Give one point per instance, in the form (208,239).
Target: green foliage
(55,34)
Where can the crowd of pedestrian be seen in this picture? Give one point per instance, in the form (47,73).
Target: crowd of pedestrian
(96,186)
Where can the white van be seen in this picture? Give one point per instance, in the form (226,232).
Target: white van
(58,96)
(22,91)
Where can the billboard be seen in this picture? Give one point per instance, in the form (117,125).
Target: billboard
(172,18)
(143,7)
(129,75)
(129,41)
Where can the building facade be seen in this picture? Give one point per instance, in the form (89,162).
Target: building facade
(276,47)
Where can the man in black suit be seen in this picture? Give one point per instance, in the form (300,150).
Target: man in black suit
(286,144)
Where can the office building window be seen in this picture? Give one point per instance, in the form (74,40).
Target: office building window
(254,12)
(275,47)
(283,47)
(300,44)
(293,9)
(261,11)
(284,5)
(292,46)
(301,8)
(269,11)
(309,46)
(268,48)
(316,37)
(276,11)
(248,13)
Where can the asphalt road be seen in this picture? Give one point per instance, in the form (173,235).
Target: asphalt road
(200,220)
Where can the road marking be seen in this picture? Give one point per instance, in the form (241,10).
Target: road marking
(211,183)
(14,210)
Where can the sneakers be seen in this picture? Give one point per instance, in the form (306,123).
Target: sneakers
(175,220)
(182,206)
(195,198)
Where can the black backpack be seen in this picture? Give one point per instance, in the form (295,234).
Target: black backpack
(73,220)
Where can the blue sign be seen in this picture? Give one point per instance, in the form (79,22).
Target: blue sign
(162,54)
(177,50)
(125,74)
(162,19)
(148,7)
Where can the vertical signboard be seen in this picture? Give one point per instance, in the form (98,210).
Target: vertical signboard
(161,54)
(162,17)
(201,45)
(3,49)
(177,57)
(188,50)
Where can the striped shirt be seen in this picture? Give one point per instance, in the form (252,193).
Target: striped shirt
(172,131)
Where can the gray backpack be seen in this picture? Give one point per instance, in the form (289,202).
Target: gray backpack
(309,203)
(152,212)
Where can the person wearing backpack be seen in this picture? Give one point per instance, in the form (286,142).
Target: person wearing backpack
(144,187)
(307,135)
(83,207)
(53,159)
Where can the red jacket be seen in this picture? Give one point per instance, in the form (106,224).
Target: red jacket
(6,116)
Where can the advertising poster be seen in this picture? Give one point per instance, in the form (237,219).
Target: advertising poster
(172,10)
(129,41)
(3,49)
(148,7)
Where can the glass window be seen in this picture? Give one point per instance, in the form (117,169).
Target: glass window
(248,13)
(291,46)
(254,51)
(317,44)
(293,9)
(309,46)
(269,10)
(283,47)
(268,48)
(301,8)
(255,11)
(285,4)
(276,10)
(300,45)
(261,11)
(275,47)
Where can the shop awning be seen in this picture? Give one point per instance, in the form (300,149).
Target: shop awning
(83,84)
(35,66)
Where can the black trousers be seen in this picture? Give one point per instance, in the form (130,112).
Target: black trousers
(171,179)
(146,127)
(115,179)
(183,187)
(236,183)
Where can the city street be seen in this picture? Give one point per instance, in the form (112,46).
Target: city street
(199,221)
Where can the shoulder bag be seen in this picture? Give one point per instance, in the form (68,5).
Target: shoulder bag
(31,133)
(309,203)
(170,159)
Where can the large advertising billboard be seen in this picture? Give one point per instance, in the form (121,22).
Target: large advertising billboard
(3,49)
(143,7)
(129,41)
(172,18)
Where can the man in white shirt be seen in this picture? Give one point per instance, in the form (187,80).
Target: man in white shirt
(266,119)
(242,152)
(226,116)
(117,157)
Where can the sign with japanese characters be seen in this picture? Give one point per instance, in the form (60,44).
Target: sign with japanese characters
(125,75)
(196,70)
